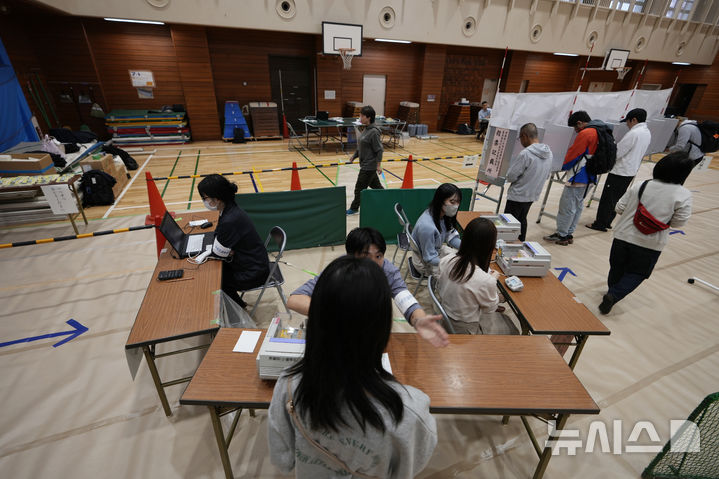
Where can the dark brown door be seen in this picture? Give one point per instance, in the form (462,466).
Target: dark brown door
(296,75)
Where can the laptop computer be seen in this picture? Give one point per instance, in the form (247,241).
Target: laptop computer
(323,115)
(184,244)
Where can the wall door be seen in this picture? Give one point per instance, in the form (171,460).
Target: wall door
(373,92)
(489,89)
(296,88)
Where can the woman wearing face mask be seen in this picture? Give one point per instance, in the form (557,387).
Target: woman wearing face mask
(437,225)
(246,264)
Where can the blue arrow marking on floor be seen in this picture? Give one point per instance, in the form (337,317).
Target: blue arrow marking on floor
(673,232)
(78,329)
(564,272)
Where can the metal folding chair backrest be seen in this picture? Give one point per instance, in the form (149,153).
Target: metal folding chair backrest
(278,237)
(401,215)
(431,285)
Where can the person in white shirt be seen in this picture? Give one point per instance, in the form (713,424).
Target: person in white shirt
(630,151)
(635,253)
(468,288)
(483,119)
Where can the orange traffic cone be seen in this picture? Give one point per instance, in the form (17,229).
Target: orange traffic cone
(408,182)
(157,210)
(295,183)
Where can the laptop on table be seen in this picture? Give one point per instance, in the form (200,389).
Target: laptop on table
(184,244)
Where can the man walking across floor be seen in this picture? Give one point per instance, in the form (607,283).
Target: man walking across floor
(689,139)
(369,151)
(630,151)
(527,174)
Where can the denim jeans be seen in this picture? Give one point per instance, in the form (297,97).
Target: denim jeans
(570,209)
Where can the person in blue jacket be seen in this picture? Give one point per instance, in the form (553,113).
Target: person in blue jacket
(436,226)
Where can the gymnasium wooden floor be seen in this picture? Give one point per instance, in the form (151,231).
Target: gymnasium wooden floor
(75,411)
(219,157)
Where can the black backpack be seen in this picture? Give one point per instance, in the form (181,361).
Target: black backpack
(605,155)
(238,135)
(464,129)
(97,188)
(710,136)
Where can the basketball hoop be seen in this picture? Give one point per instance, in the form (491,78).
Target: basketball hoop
(622,72)
(346,54)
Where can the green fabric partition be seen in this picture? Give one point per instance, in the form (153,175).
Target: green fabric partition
(314,217)
(377,208)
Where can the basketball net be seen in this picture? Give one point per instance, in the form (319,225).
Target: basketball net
(346,54)
(622,72)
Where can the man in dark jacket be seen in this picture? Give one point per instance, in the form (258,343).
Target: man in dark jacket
(369,151)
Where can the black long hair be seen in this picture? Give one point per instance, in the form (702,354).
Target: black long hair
(673,168)
(217,186)
(480,237)
(348,328)
(444,191)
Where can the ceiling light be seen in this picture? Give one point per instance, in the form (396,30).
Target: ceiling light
(681,63)
(391,41)
(127,20)
(566,54)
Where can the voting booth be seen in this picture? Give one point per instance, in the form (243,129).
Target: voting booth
(549,112)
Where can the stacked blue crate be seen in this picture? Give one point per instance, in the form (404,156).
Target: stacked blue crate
(234,119)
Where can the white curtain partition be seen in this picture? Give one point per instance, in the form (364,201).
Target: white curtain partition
(512,110)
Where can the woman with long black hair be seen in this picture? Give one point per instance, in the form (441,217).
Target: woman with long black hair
(468,287)
(337,411)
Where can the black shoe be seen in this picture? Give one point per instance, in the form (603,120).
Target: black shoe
(564,241)
(594,227)
(607,303)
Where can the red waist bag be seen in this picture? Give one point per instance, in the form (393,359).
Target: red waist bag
(644,220)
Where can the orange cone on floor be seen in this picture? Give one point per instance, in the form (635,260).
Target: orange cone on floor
(295,183)
(408,182)
(157,210)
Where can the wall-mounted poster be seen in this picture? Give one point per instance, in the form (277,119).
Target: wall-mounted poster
(142,78)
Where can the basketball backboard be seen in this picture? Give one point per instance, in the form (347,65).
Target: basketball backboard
(341,35)
(616,58)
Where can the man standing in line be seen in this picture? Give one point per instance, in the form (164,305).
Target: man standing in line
(688,139)
(571,202)
(630,151)
(527,174)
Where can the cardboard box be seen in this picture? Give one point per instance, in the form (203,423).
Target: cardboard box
(27,164)
(105,164)
(118,172)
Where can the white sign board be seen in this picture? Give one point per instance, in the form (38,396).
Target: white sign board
(142,78)
(704,164)
(496,152)
(60,199)
(470,161)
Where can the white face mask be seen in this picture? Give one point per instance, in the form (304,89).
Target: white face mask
(209,206)
(450,210)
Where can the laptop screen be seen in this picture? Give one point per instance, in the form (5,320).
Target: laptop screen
(172,232)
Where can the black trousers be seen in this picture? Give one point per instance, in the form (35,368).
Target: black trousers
(614,188)
(482,127)
(234,281)
(520,210)
(629,265)
(365,179)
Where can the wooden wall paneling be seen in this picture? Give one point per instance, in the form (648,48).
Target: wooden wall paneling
(121,47)
(193,61)
(240,61)
(464,74)
(433,64)
(400,63)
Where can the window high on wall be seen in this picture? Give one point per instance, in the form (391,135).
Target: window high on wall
(684,8)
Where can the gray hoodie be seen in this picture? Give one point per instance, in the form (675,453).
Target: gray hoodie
(401,452)
(528,172)
(369,148)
